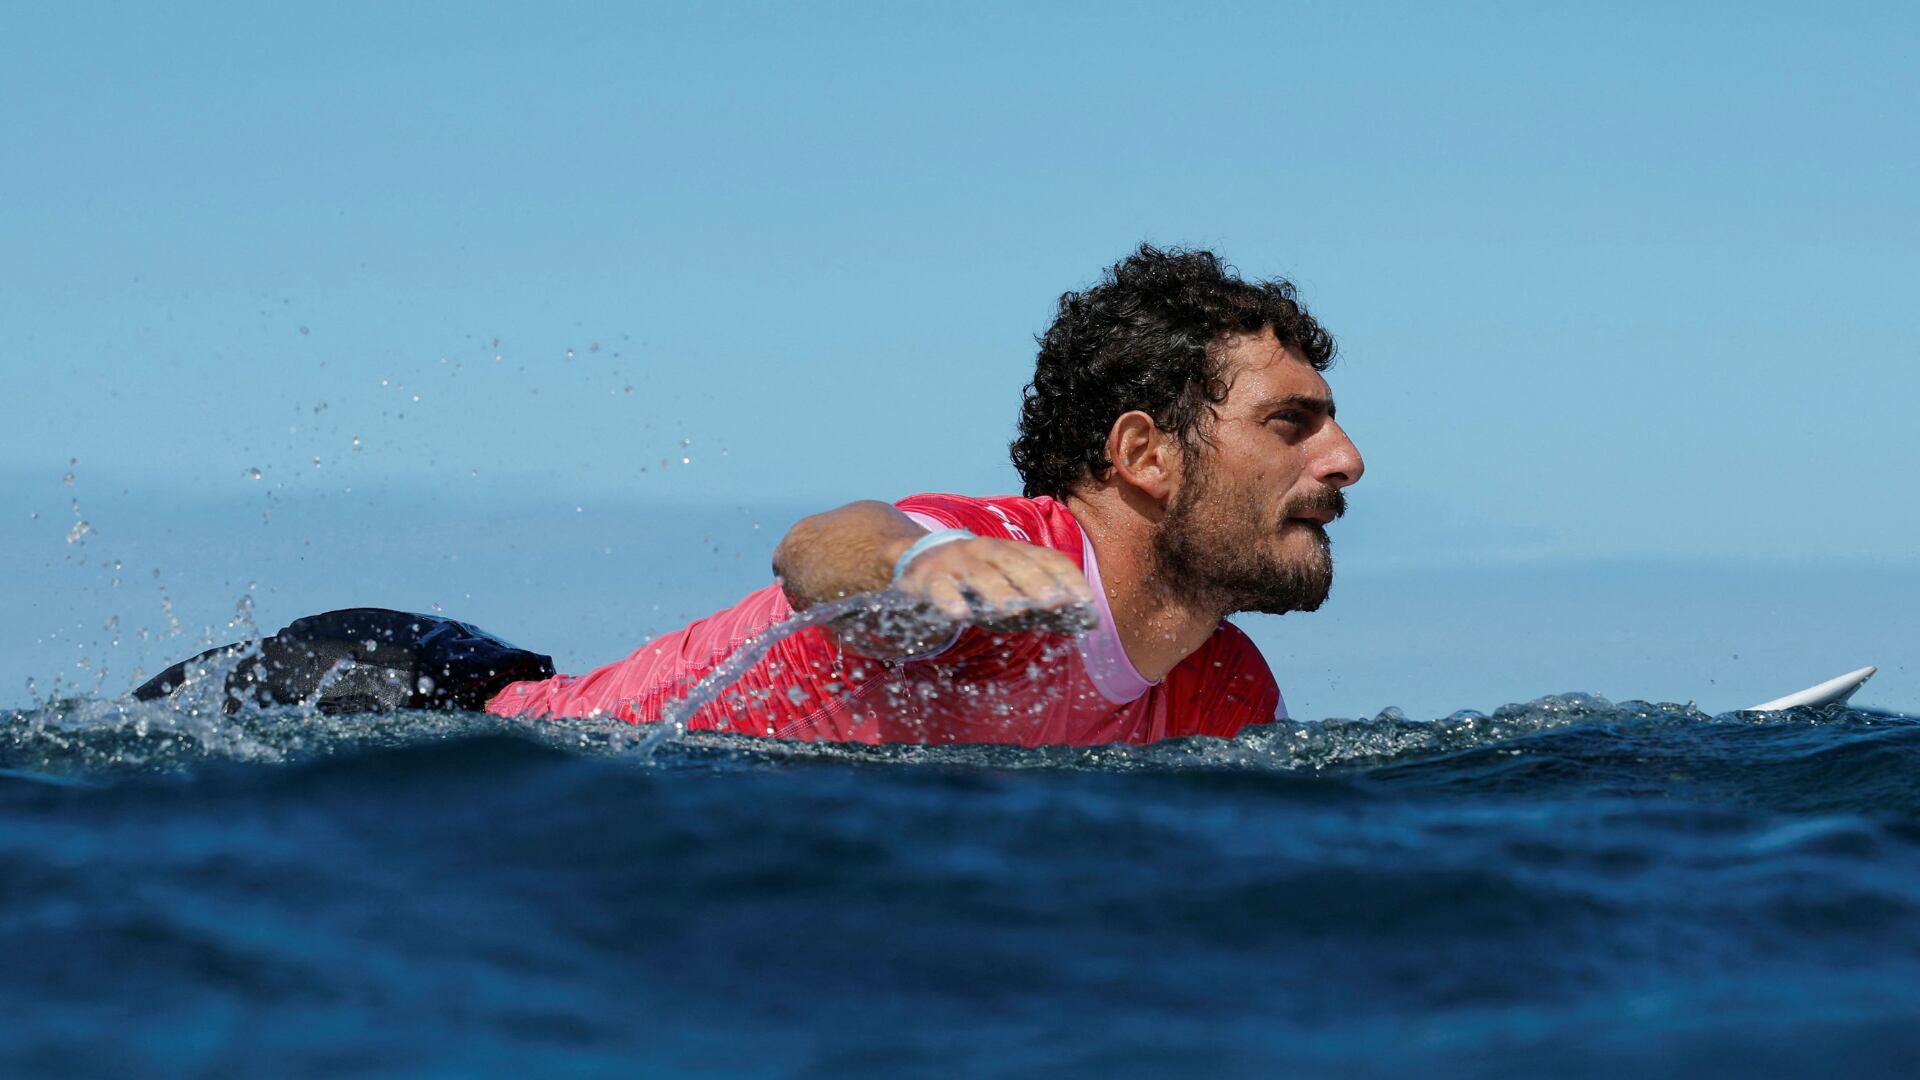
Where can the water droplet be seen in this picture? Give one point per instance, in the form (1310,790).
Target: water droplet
(569,354)
(253,473)
(316,461)
(304,331)
(78,532)
(356,442)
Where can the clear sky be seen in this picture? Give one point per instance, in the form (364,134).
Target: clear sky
(1612,282)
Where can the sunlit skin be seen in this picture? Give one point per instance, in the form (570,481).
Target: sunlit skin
(1272,445)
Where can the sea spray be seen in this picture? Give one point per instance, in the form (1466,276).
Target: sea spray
(891,615)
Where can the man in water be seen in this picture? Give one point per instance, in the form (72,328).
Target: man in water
(1181,462)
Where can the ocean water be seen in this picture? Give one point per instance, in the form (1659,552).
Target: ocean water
(1564,885)
(1568,887)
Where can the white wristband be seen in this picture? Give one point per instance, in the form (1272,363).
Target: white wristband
(923,545)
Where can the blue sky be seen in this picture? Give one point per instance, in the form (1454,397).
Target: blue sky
(1614,285)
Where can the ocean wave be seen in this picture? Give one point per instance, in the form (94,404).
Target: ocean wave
(1829,758)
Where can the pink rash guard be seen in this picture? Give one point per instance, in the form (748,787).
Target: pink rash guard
(1025,689)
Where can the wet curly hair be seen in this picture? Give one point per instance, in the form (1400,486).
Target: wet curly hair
(1146,337)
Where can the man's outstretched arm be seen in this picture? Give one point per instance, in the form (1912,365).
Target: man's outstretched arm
(999,584)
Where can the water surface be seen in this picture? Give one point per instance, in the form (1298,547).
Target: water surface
(1569,884)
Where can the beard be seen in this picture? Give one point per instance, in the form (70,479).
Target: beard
(1212,549)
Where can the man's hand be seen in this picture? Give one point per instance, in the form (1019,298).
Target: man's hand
(1001,585)
(997,584)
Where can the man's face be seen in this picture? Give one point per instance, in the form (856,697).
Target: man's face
(1245,527)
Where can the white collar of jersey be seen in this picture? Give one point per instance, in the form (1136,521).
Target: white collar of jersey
(1101,650)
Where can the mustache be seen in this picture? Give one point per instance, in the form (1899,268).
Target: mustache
(1324,501)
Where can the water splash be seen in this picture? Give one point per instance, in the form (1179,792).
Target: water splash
(204,722)
(893,615)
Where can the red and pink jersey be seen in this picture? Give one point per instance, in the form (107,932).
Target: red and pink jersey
(1026,689)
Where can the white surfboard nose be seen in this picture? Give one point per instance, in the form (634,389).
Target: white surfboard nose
(1831,692)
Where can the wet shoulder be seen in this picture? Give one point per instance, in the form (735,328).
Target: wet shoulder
(1224,686)
(1040,521)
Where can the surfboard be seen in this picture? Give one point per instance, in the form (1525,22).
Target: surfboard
(1831,692)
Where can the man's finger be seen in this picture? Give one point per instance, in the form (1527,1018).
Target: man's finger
(1002,584)
(1052,564)
(1032,579)
(945,593)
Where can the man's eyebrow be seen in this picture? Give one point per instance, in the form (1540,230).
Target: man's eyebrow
(1310,402)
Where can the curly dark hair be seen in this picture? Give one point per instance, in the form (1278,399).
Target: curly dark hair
(1146,337)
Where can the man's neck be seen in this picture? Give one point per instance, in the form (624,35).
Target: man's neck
(1156,629)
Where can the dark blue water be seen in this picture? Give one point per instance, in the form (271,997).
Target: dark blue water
(1569,888)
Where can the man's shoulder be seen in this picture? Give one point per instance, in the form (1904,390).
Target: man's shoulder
(1226,673)
(1039,520)
(1231,648)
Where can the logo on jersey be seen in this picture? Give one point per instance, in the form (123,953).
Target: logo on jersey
(1013,530)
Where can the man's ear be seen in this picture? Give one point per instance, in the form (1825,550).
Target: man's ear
(1143,456)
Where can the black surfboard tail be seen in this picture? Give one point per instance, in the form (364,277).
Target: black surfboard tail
(363,660)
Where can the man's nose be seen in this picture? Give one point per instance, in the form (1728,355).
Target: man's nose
(1339,464)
